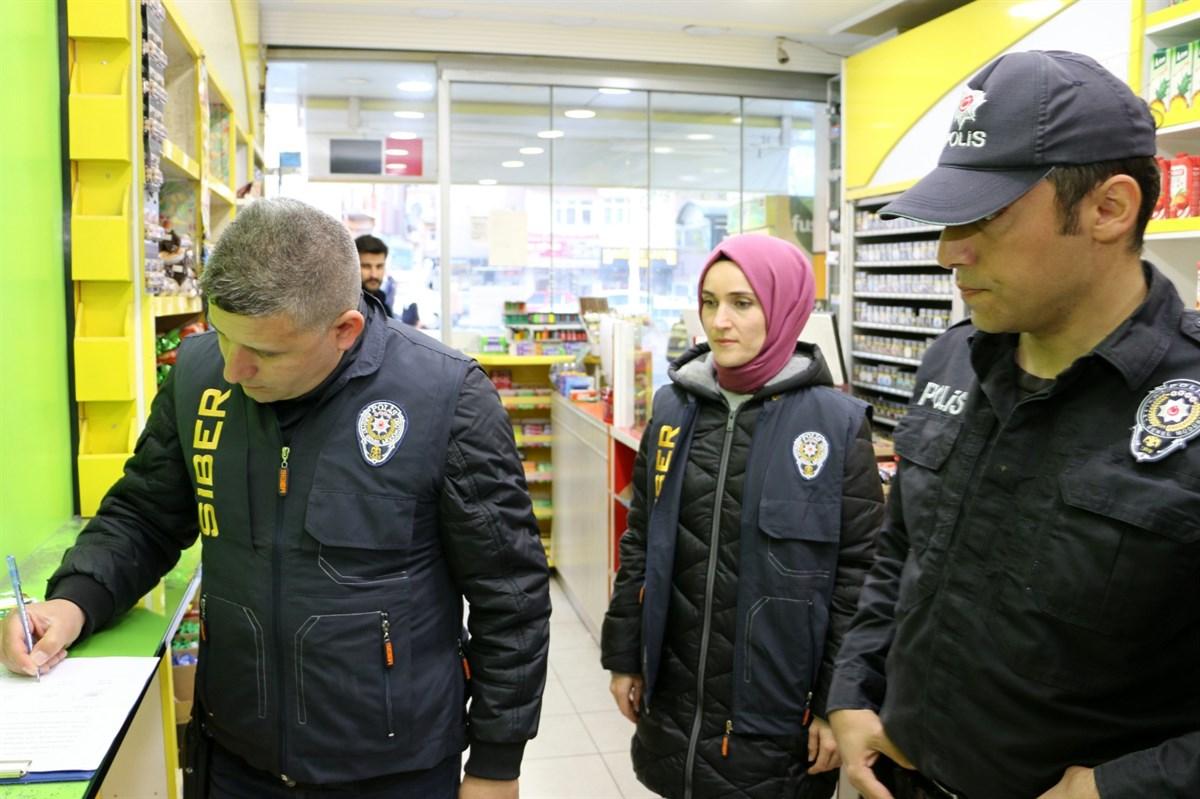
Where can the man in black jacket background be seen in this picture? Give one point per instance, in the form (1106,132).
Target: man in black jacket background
(352,482)
(1031,627)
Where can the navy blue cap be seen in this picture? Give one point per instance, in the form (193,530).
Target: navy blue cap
(1022,115)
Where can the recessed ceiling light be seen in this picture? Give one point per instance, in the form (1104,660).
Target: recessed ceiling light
(612,90)
(434,13)
(395,151)
(736,120)
(487,182)
(549,134)
(531,151)
(580,113)
(408,135)
(700,136)
(704,30)
(664,150)
(512,164)
(355,81)
(408,114)
(414,86)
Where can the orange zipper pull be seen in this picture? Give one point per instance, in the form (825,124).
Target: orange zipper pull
(642,594)
(283,471)
(725,739)
(807,710)
(389,659)
(466,664)
(203,621)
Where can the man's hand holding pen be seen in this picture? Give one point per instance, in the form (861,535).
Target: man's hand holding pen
(54,626)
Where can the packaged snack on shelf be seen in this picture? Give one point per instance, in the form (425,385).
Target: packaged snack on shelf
(1160,80)
(1162,208)
(1185,186)
(1181,75)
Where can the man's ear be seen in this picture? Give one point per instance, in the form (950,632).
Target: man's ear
(1114,206)
(346,329)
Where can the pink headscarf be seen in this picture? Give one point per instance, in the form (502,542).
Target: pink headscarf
(782,278)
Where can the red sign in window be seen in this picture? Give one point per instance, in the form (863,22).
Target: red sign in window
(403,157)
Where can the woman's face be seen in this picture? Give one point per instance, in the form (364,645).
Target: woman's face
(733,318)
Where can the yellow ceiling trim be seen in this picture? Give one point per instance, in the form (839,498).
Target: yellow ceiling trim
(889,87)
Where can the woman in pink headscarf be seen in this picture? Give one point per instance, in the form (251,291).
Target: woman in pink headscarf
(756,503)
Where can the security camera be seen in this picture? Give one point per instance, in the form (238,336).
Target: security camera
(781,55)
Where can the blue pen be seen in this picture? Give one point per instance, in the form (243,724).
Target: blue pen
(16,584)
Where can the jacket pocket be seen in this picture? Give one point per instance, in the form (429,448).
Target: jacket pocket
(923,443)
(1123,550)
(361,539)
(232,675)
(783,642)
(351,669)
(802,536)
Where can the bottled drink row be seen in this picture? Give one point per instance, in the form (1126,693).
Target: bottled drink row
(890,251)
(910,283)
(904,315)
(884,375)
(891,345)
(868,222)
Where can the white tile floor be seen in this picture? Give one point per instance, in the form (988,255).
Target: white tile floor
(582,747)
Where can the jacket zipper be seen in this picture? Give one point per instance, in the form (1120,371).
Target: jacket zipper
(813,665)
(725,737)
(277,603)
(283,470)
(706,628)
(466,664)
(204,617)
(389,660)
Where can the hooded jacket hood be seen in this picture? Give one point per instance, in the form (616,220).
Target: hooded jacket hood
(695,372)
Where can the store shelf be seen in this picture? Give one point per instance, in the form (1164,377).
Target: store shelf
(543,513)
(525,403)
(886,295)
(1173,229)
(887,264)
(898,392)
(167,305)
(492,359)
(176,164)
(539,477)
(580,328)
(886,422)
(1175,24)
(223,192)
(886,358)
(629,436)
(931,331)
(905,231)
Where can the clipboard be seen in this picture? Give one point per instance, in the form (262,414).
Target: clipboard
(16,772)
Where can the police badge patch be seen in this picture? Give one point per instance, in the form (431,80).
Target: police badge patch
(810,450)
(381,426)
(1167,419)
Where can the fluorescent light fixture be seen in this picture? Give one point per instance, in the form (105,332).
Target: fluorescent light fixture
(612,90)
(414,86)
(700,136)
(1035,9)
(395,151)
(408,135)
(512,164)
(408,114)
(550,134)
(531,151)
(579,113)
(664,150)
(487,181)
(736,120)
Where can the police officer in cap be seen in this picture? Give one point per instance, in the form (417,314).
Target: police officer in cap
(1031,626)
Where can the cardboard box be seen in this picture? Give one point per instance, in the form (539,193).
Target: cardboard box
(1185,186)
(1181,76)
(1195,98)
(1160,80)
(1162,208)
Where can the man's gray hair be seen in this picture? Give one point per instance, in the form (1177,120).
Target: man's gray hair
(283,256)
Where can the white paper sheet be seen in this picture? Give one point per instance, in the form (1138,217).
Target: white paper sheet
(67,722)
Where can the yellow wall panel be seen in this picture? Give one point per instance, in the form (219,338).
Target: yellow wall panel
(98,19)
(100,127)
(890,86)
(104,369)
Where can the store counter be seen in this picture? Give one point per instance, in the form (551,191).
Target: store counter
(593,471)
(142,760)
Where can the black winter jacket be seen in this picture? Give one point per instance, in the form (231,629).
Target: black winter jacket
(677,751)
(332,614)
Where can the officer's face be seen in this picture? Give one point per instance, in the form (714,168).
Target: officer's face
(373,266)
(733,318)
(274,360)
(1018,273)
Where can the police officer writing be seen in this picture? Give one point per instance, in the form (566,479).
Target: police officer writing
(1031,626)
(351,482)
(755,506)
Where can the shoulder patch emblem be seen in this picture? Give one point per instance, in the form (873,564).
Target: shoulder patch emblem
(1167,419)
(810,450)
(381,426)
